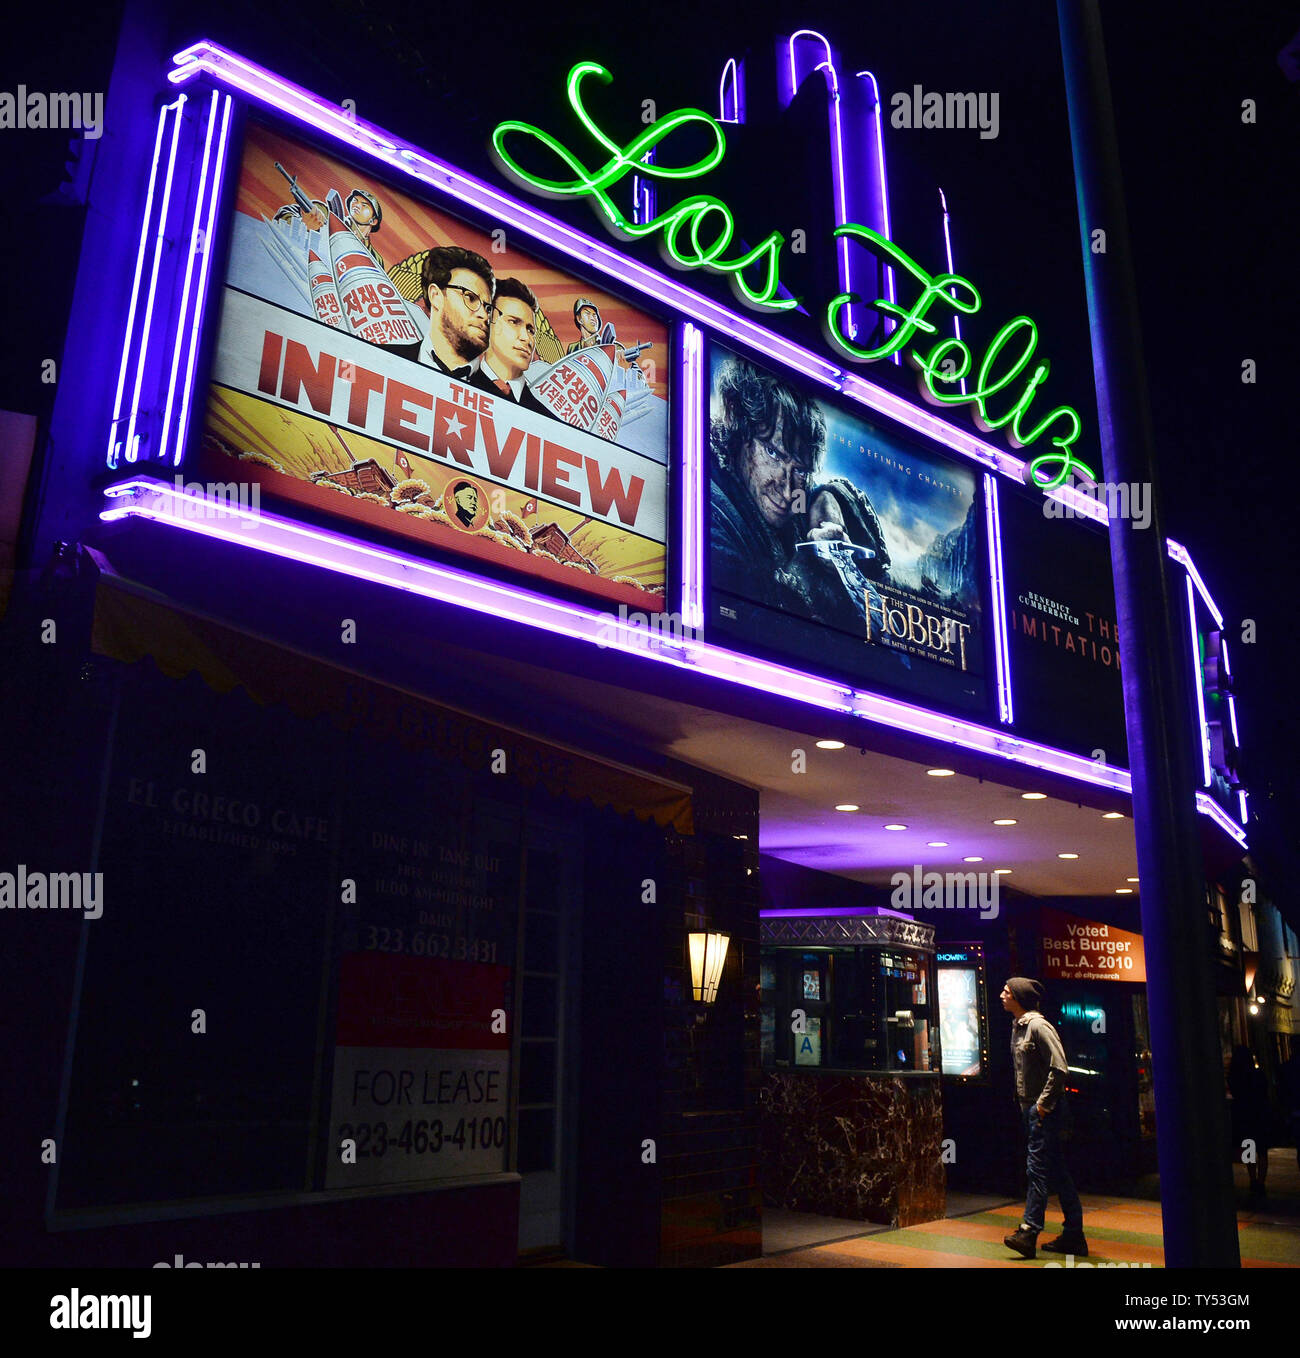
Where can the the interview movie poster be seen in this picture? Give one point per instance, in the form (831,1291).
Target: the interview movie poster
(392,364)
(1061,629)
(839,545)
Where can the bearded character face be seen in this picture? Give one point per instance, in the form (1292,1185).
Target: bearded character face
(463,307)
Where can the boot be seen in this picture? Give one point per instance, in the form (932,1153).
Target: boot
(1022,1240)
(1068,1242)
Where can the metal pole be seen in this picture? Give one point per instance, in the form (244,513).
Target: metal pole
(1196,1191)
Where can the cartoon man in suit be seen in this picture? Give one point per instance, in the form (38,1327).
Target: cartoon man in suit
(512,343)
(465,499)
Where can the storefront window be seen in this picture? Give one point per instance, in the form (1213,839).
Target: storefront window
(859,1008)
(1142,1058)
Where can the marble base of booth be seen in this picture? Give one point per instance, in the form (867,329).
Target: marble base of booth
(865,1147)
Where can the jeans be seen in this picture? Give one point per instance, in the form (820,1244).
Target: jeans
(1047,1170)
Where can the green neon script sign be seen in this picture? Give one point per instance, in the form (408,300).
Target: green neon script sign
(698,232)
(949,360)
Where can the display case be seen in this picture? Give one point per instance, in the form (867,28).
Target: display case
(863,1007)
(851,1107)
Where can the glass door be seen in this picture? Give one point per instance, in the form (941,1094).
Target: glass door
(545,1039)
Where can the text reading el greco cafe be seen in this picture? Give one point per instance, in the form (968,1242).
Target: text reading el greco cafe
(575,707)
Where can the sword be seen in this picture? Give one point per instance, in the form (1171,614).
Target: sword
(837,552)
(845,558)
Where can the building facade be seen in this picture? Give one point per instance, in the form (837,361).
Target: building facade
(559,747)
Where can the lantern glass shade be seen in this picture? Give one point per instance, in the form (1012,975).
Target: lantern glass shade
(708,953)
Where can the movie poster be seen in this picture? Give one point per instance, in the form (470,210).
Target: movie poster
(1061,629)
(390,364)
(839,545)
(959,1020)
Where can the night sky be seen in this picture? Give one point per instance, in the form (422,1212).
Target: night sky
(1212,202)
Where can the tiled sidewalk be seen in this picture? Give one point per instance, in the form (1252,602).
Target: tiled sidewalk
(1121,1231)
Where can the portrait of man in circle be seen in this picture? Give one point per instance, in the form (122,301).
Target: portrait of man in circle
(465,504)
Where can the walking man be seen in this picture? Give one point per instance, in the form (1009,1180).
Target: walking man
(1039,1063)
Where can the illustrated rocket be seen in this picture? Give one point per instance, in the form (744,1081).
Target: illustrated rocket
(583,389)
(324,295)
(373,309)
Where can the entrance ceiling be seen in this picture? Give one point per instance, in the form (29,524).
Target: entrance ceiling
(798,817)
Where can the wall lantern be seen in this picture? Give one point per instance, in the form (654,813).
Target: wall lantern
(708,953)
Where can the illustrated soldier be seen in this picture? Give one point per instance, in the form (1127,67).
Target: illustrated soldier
(363,215)
(586,316)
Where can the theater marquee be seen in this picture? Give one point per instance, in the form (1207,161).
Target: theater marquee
(410,386)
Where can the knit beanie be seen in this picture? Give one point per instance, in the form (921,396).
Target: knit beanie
(1025,992)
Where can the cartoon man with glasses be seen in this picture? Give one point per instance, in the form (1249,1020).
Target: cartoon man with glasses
(512,344)
(458,287)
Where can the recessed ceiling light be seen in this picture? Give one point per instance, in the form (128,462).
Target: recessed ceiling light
(1123,890)
(1004,821)
(1130,879)
(941,773)
(895,826)
(1032,796)
(847,806)
(937,844)
(1112,815)
(740,836)
(1001,872)
(1067,855)
(830,744)
(972,858)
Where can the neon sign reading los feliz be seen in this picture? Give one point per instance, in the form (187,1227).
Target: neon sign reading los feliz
(699,232)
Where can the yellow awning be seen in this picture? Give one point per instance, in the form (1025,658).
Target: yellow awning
(132,622)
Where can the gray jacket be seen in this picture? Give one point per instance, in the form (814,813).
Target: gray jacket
(1039,1061)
